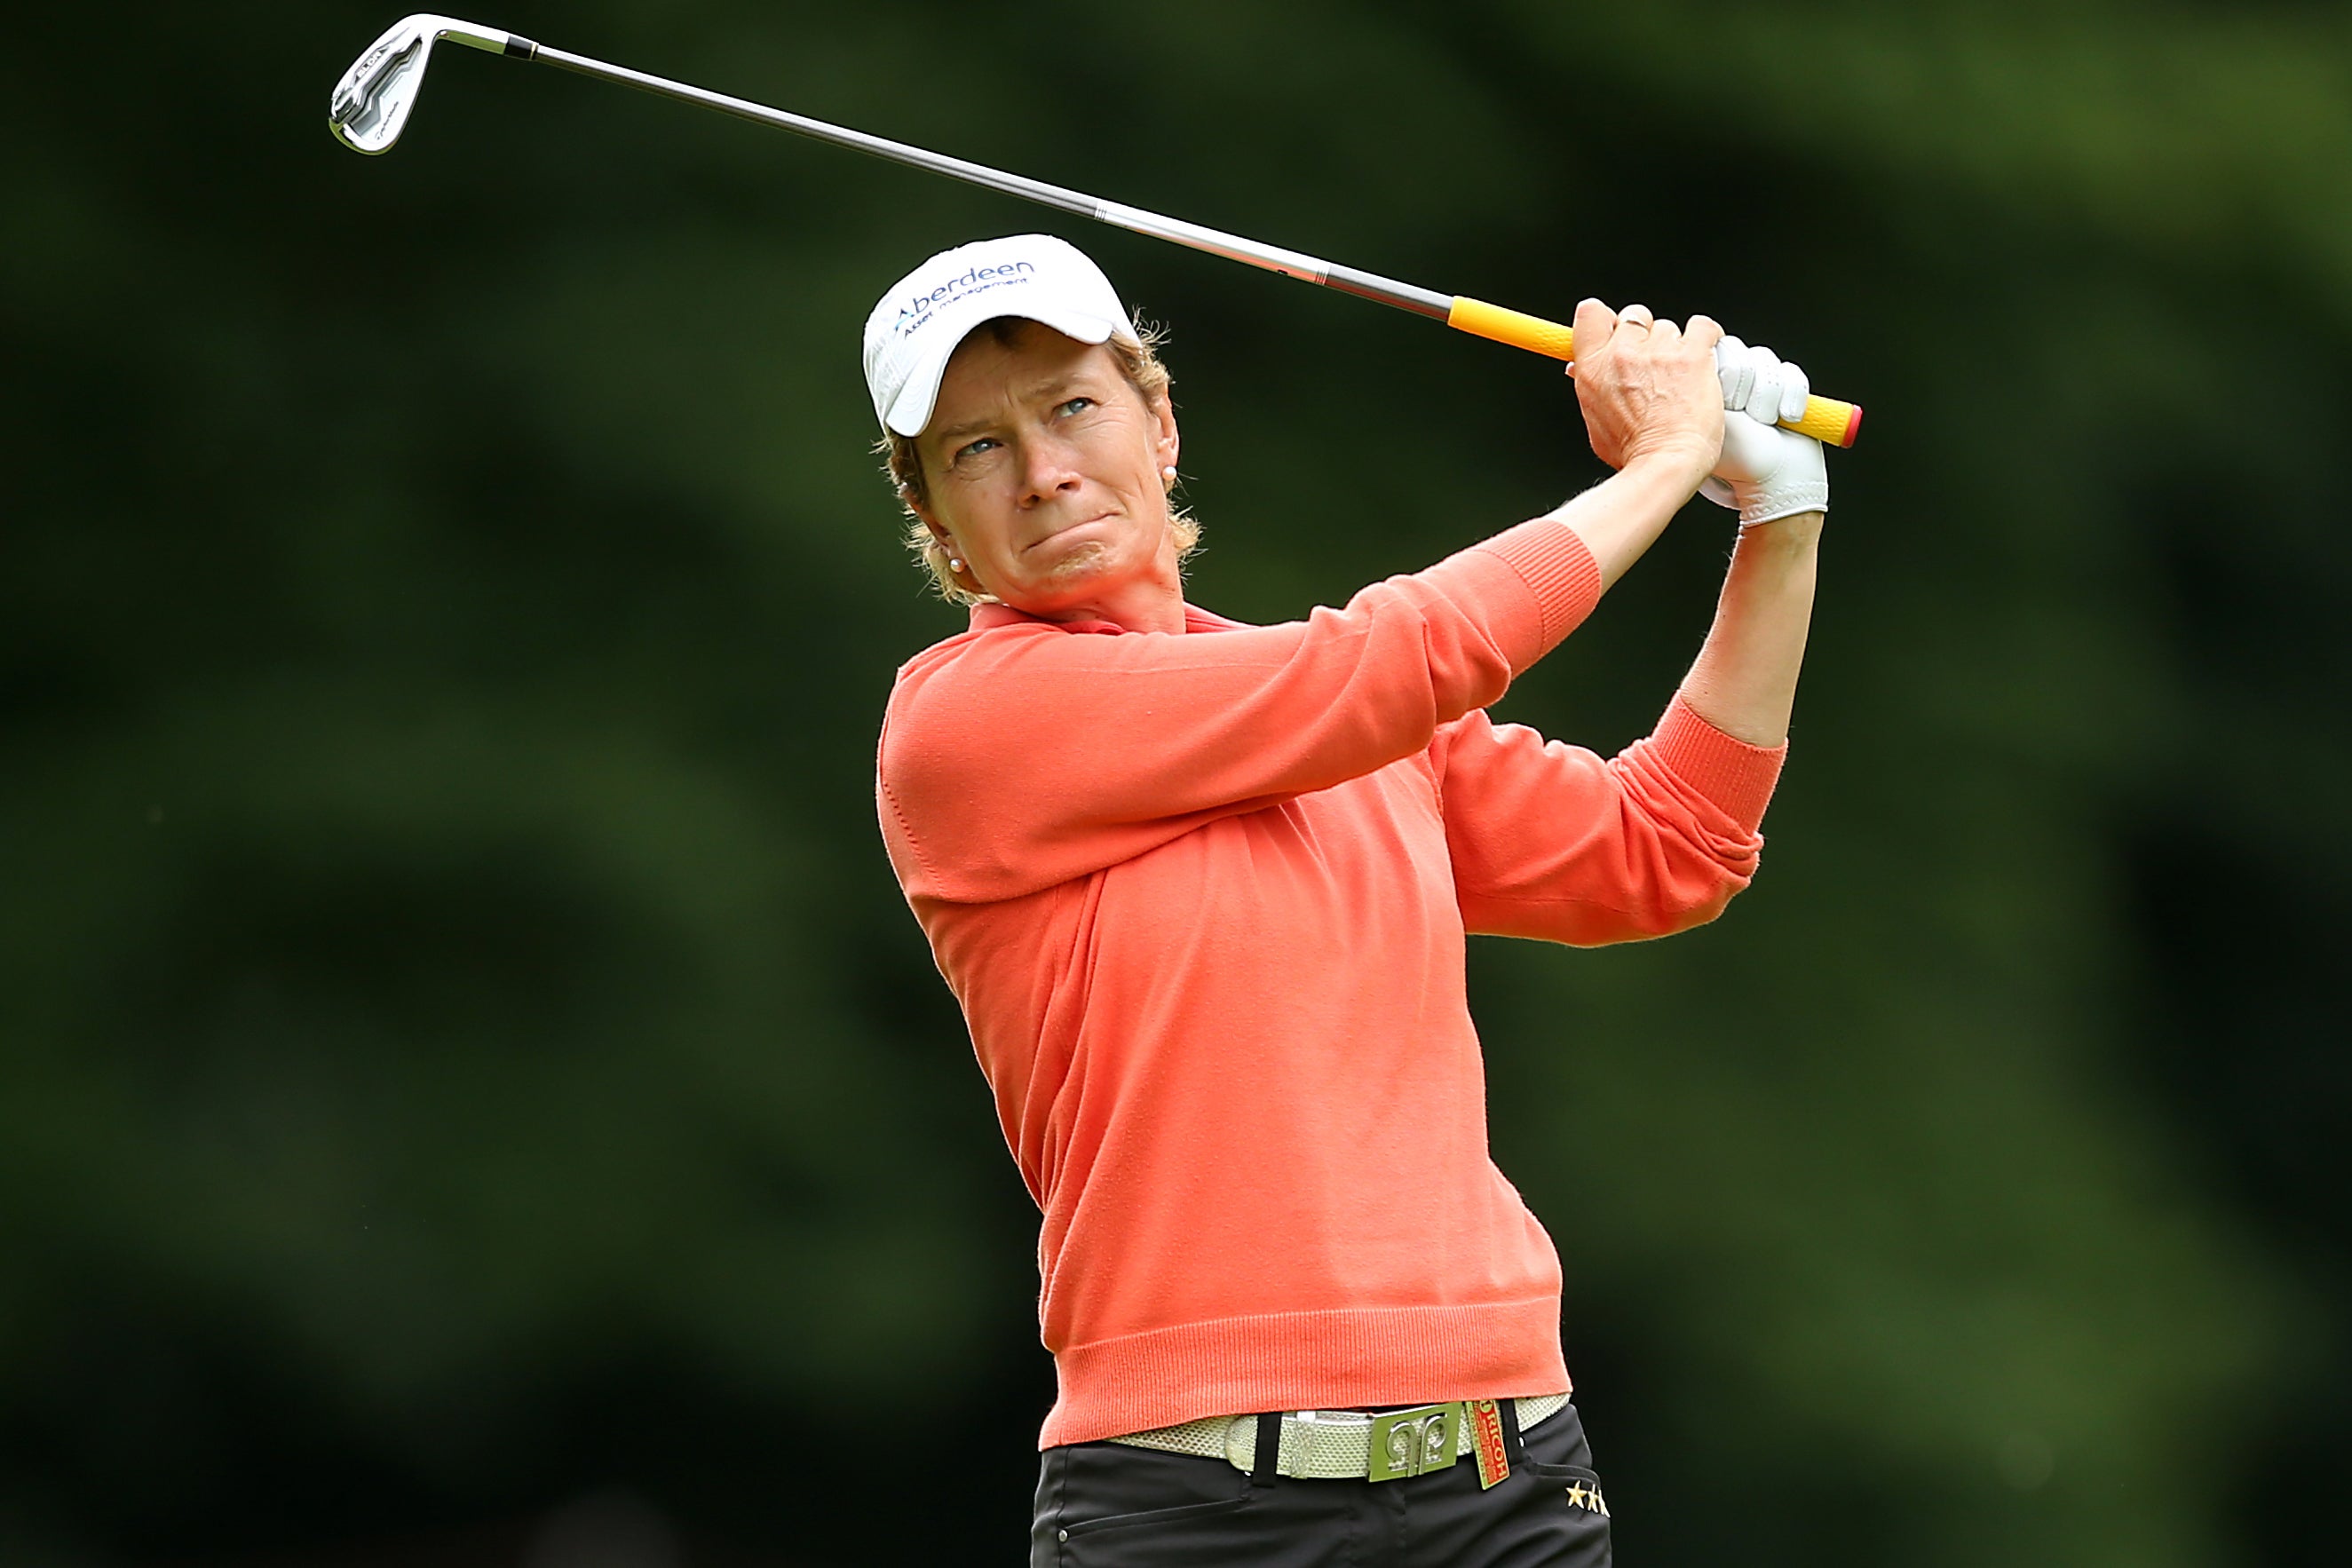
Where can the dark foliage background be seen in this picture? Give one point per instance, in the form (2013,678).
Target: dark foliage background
(470,1093)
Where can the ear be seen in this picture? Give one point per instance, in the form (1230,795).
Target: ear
(939,535)
(1165,448)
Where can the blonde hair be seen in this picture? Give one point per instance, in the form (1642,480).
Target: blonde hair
(1138,362)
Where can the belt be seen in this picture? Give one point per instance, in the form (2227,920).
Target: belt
(1341,1445)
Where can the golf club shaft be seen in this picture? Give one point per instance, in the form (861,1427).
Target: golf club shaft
(1825,418)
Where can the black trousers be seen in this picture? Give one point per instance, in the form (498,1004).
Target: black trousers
(1105,1505)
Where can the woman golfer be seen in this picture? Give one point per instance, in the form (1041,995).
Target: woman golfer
(1202,889)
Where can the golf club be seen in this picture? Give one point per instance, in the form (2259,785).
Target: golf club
(373,102)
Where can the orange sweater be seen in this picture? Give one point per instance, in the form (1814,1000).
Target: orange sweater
(1203,900)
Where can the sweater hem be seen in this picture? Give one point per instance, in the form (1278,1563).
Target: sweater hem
(1306,1361)
(1738,777)
(1557,567)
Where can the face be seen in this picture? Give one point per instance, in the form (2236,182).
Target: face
(1043,467)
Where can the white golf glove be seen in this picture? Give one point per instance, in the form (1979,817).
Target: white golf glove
(1765,472)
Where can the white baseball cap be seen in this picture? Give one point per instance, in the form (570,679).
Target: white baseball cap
(914,327)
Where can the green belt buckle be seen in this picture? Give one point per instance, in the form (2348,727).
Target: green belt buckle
(1415,1442)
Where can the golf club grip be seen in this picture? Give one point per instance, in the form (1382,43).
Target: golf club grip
(1826,419)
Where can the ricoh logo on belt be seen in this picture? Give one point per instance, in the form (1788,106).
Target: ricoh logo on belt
(918,311)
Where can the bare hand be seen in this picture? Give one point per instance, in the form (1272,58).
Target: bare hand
(1648,388)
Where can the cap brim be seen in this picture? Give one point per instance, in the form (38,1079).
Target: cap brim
(912,410)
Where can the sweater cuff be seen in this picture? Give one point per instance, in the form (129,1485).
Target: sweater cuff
(1557,567)
(1738,777)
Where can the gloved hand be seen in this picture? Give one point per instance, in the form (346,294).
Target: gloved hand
(1765,472)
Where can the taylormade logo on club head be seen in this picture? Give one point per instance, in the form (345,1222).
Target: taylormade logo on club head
(916,310)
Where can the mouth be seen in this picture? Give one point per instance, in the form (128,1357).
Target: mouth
(1065,528)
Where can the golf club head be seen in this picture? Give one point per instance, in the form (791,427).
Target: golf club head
(373,101)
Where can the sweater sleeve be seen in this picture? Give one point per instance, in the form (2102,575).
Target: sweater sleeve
(1549,841)
(1023,756)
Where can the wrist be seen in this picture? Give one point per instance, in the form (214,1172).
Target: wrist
(1683,464)
(1798,531)
(1620,517)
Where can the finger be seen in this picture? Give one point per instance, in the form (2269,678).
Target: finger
(1636,316)
(1665,333)
(1594,325)
(1764,397)
(1795,389)
(1736,370)
(1705,330)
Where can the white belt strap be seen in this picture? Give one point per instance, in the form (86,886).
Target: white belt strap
(1317,1445)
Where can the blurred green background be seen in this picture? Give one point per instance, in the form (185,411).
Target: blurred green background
(470,1092)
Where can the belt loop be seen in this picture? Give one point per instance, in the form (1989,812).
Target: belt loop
(1269,1450)
(1514,1444)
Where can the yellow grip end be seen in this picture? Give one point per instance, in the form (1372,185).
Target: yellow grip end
(1826,419)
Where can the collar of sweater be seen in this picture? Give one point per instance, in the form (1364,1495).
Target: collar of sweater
(989,616)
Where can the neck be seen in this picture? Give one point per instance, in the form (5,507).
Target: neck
(1145,605)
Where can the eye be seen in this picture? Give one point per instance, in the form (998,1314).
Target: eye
(975,448)
(1078,404)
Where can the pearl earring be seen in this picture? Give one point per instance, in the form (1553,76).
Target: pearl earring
(1168,473)
(954,564)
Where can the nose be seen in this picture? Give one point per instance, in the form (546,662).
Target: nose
(1048,469)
